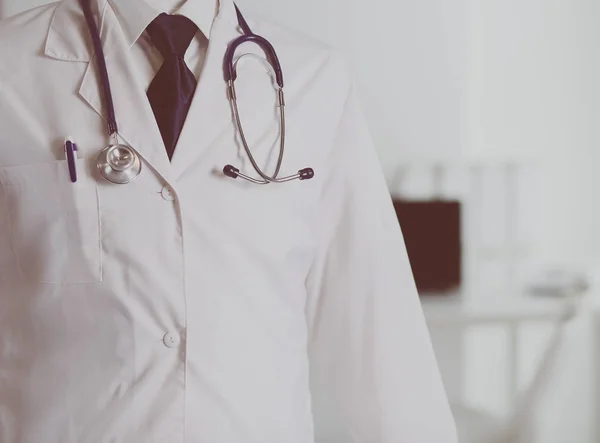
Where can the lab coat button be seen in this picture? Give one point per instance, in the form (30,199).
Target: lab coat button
(171,340)
(167,193)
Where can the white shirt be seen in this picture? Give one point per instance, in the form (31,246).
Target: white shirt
(187,307)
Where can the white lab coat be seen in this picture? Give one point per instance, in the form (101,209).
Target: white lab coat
(187,306)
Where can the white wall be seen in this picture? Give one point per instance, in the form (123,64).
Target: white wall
(534,89)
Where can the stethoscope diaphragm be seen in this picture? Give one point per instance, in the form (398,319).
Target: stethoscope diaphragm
(119,164)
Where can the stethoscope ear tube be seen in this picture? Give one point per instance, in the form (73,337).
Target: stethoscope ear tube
(230,74)
(232,172)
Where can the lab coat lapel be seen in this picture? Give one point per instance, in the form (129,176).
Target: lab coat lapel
(137,124)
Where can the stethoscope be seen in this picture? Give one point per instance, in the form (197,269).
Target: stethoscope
(120,164)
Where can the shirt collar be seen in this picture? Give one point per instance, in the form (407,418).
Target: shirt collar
(135,15)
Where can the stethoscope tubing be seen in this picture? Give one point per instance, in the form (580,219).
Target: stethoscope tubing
(236,114)
(111,118)
(105,166)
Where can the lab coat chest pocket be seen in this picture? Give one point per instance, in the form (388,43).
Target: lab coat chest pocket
(53,224)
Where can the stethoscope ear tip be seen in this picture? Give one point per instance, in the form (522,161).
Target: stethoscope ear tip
(230,171)
(306,174)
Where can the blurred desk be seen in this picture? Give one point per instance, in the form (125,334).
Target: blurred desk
(451,317)
(495,307)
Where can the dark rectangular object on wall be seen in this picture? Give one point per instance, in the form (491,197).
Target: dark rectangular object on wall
(432,235)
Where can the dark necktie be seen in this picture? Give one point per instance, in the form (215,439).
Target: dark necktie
(172,89)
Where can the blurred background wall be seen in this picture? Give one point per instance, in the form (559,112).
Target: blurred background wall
(505,94)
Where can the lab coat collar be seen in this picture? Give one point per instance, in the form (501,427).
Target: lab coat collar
(68,38)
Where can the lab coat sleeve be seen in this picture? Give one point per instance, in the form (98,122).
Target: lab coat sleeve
(374,378)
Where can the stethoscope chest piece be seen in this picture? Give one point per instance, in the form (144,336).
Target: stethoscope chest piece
(119,164)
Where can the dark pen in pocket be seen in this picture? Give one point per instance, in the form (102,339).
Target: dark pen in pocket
(70,149)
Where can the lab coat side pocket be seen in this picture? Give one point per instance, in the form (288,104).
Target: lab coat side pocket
(54,225)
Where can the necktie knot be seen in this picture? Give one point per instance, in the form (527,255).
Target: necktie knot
(171,34)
